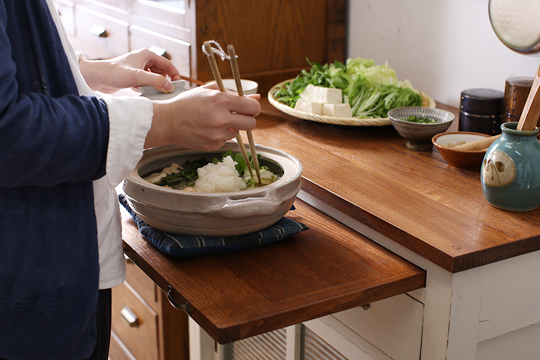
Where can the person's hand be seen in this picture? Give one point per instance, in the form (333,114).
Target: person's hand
(202,118)
(137,68)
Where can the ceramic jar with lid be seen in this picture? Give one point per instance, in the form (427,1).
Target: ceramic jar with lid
(481,110)
(516,91)
(510,174)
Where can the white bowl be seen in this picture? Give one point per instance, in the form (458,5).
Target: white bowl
(248,86)
(212,214)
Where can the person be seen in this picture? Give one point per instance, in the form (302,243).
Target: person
(65,144)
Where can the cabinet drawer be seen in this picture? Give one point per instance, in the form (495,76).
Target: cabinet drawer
(121,4)
(141,283)
(66,10)
(393,325)
(176,50)
(170,12)
(141,338)
(104,37)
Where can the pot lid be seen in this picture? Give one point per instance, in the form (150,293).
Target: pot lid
(516,24)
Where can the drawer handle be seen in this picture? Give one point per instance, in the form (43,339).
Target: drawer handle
(99,31)
(184,307)
(129,317)
(160,51)
(128,260)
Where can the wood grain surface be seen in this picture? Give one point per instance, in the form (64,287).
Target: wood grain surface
(413,197)
(326,269)
(272,38)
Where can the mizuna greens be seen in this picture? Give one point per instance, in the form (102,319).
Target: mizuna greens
(371,90)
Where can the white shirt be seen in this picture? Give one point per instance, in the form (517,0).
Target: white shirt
(130,118)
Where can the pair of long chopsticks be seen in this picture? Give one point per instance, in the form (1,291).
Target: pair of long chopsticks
(219,82)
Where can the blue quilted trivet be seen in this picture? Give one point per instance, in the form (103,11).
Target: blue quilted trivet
(179,245)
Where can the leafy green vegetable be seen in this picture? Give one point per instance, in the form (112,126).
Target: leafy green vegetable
(417,119)
(370,90)
(185,177)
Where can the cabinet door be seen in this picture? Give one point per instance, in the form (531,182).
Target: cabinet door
(178,51)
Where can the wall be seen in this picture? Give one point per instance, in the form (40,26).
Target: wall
(442,46)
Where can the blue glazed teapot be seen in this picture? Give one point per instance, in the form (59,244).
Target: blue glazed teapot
(510,174)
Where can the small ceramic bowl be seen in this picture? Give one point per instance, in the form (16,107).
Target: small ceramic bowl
(418,135)
(153,94)
(211,214)
(248,86)
(459,158)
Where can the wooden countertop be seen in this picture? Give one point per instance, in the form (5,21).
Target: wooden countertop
(413,197)
(321,271)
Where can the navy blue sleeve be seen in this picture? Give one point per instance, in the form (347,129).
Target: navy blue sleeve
(46,140)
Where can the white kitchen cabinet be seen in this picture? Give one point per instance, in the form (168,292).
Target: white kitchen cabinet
(491,312)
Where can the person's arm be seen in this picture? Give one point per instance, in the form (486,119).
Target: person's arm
(202,118)
(137,68)
(46,141)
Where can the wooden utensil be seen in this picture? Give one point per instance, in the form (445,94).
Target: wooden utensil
(195,81)
(481,144)
(219,82)
(531,111)
(238,81)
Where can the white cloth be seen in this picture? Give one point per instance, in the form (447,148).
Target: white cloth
(130,118)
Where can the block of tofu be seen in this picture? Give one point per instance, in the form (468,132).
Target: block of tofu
(319,94)
(337,110)
(308,106)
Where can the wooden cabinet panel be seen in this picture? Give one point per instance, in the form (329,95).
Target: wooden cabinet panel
(177,51)
(272,38)
(103,36)
(117,350)
(142,338)
(141,284)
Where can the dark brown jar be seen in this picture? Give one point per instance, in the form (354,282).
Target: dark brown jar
(516,92)
(481,110)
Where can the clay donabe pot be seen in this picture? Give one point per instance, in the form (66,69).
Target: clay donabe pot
(211,214)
